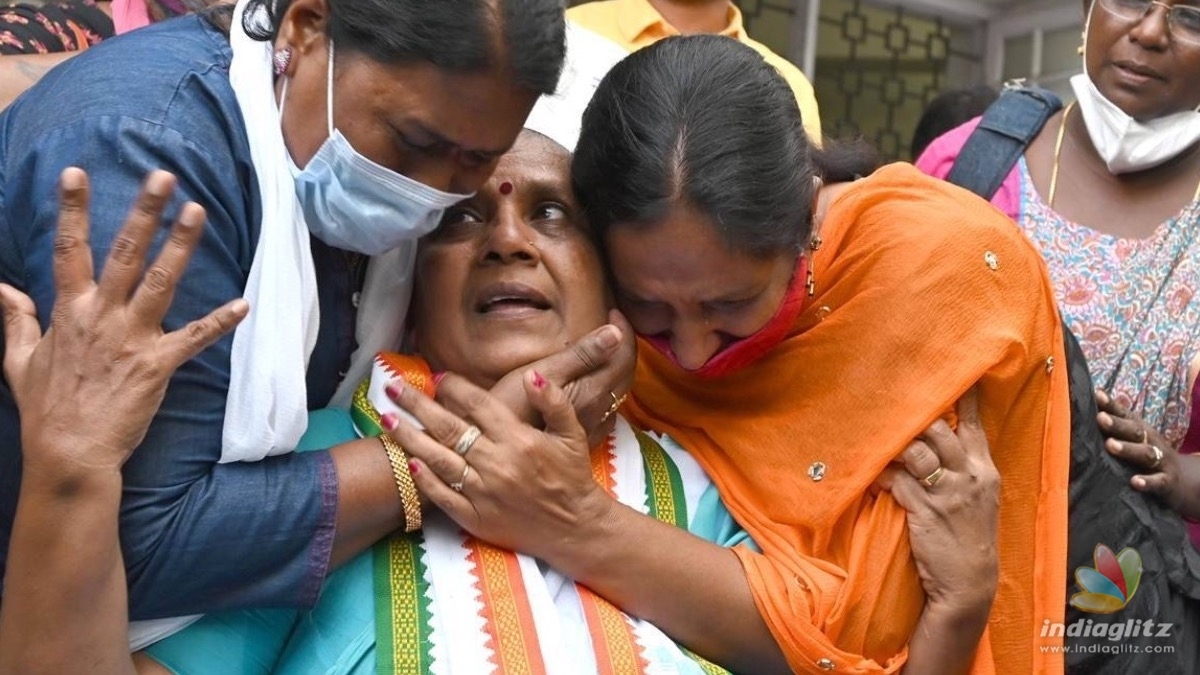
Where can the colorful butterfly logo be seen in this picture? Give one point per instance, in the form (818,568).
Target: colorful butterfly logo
(1109,586)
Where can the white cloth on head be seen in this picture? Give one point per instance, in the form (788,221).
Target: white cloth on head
(589,58)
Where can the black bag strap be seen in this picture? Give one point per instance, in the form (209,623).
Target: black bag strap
(1007,128)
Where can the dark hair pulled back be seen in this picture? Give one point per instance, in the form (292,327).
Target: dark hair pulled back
(526,36)
(704,121)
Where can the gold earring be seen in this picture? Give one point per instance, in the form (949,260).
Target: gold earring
(810,283)
(815,243)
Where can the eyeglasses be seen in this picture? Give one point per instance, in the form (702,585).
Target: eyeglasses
(1184,21)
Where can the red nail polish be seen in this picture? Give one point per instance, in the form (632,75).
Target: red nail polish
(413,467)
(389,421)
(437,377)
(392,390)
(539,382)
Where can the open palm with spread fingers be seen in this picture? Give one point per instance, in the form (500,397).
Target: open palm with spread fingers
(105,347)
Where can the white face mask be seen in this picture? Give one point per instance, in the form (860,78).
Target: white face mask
(352,203)
(1125,144)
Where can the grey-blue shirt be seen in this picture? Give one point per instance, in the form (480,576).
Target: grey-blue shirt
(197,536)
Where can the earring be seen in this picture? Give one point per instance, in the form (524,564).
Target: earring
(810,283)
(281,59)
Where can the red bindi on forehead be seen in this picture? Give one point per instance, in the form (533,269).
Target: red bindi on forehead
(506,188)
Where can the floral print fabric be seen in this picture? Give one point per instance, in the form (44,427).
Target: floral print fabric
(63,26)
(1131,302)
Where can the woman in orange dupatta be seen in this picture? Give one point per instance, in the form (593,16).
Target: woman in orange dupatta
(795,381)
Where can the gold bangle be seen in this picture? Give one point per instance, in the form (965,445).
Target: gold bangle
(409,499)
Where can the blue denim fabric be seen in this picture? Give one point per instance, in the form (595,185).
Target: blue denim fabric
(197,536)
(1008,127)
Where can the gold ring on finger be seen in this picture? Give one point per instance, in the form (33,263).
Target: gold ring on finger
(932,479)
(1145,436)
(1158,457)
(467,439)
(616,404)
(458,486)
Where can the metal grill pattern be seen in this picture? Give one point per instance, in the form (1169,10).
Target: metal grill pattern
(883,65)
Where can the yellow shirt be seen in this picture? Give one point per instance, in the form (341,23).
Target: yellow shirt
(634,24)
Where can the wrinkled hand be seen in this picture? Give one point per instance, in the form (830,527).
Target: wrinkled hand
(88,388)
(526,489)
(594,372)
(1163,472)
(952,524)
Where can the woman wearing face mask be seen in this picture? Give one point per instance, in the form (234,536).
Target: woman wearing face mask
(795,337)
(316,134)
(1109,190)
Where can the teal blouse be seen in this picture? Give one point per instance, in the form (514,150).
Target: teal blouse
(337,636)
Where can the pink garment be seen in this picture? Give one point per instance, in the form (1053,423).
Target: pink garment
(129,14)
(939,157)
(1191,442)
(1191,445)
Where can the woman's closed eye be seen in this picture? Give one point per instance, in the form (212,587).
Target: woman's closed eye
(471,159)
(730,306)
(418,143)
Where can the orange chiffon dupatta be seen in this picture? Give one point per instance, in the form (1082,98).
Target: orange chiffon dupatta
(922,291)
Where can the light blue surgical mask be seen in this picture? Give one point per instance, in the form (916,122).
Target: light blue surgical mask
(352,203)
